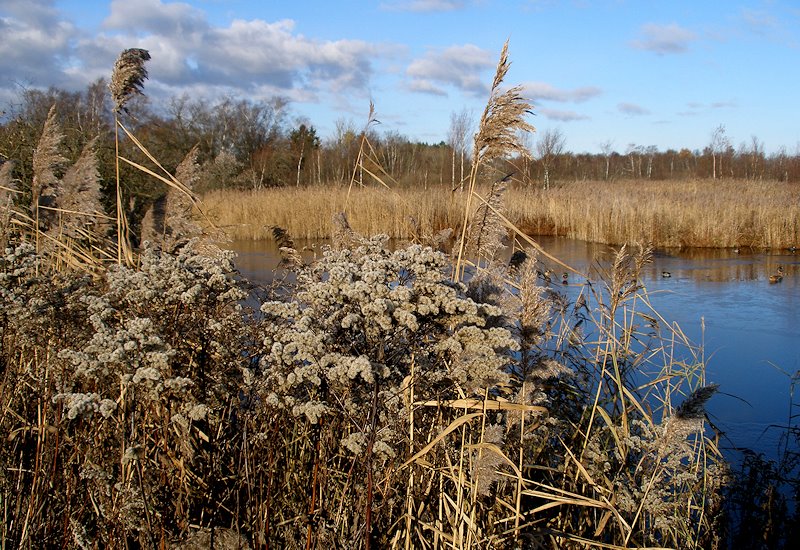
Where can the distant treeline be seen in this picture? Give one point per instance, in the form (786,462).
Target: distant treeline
(247,144)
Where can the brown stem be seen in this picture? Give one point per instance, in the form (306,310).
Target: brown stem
(368,513)
(313,505)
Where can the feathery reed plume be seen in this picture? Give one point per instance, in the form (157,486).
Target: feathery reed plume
(282,237)
(47,161)
(128,76)
(501,126)
(438,240)
(414,229)
(358,167)
(169,220)
(290,257)
(8,186)
(688,418)
(694,406)
(80,198)
(153,228)
(487,230)
(188,171)
(127,79)
(503,120)
(343,235)
(178,213)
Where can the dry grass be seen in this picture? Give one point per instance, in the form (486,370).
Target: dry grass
(376,403)
(690,213)
(306,212)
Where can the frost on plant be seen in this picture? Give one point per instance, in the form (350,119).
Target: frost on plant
(359,320)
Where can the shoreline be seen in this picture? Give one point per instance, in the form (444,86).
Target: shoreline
(667,215)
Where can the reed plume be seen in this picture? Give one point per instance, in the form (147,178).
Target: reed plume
(180,202)
(343,236)
(169,219)
(501,126)
(8,185)
(47,162)
(128,77)
(80,200)
(694,406)
(8,188)
(503,120)
(487,230)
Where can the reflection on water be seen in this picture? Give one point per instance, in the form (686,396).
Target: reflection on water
(752,327)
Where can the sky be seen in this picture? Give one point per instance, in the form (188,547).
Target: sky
(604,73)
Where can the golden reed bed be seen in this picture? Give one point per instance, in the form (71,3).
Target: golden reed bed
(700,213)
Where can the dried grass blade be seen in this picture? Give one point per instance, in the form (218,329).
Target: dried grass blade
(454,425)
(172,182)
(482,404)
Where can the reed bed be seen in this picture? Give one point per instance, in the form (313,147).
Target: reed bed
(306,212)
(379,398)
(698,213)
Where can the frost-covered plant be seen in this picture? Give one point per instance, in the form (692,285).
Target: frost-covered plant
(367,329)
(143,359)
(359,320)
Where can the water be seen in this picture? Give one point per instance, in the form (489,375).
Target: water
(750,328)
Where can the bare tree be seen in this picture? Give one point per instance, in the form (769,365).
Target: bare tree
(550,145)
(634,153)
(651,151)
(607,147)
(719,144)
(304,141)
(526,140)
(458,140)
(756,154)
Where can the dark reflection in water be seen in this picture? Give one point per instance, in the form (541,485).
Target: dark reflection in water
(751,328)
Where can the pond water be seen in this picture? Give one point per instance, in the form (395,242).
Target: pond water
(750,328)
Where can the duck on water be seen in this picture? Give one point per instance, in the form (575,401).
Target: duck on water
(777,277)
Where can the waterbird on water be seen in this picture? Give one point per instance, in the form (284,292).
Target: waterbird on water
(778,276)
(565,278)
(666,274)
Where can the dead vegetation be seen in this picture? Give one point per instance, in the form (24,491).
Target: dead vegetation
(394,399)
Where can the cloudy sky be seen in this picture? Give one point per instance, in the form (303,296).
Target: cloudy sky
(663,73)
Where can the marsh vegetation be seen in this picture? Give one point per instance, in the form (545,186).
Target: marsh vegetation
(693,213)
(403,398)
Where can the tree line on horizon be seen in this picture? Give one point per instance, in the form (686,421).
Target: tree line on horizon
(251,145)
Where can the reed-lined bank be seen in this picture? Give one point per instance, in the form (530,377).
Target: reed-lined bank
(697,213)
(379,398)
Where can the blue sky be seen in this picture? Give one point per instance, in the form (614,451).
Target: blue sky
(663,73)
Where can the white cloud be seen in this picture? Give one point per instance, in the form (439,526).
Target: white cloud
(563,116)
(176,19)
(423,5)
(664,39)
(760,22)
(34,44)
(632,109)
(40,47)
(426,87)
(38,13)
(456,66)
(544,91)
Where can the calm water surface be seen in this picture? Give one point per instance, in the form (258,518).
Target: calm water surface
(750,328)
